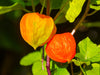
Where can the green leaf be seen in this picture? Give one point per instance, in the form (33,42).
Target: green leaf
(38,69)
(95,7)
(92,24)
(64,7)
(88,51)
(61,71)
(78,63)
(95,4)
(95,70)
(99,46)
(74,10)
(30,58)
(60,19)
(6,9)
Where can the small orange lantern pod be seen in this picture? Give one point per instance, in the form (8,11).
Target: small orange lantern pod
(37,29)
(62,47)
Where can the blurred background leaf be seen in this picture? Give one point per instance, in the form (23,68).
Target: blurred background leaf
(92,24)
(6,9)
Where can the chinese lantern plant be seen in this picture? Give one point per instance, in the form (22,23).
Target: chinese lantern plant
(62,47)
(37,29)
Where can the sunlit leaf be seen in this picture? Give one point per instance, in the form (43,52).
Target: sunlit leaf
(74,10)
(30,58)
(95,7)
(95,69)
(61,71)
(39,69)
(95,4)
(88,51)
(78,63)
(6,9)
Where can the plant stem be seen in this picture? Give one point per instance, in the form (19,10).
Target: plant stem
(48,65)
(48,59)
(83,17)
(33,6)
(59,12)
(92,13)
(26,10)
(42,7)
(82,70)
(72,68)
(48,8)
(42,57)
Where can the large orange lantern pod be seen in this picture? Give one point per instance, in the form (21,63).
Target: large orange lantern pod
(37,29)
(61,48)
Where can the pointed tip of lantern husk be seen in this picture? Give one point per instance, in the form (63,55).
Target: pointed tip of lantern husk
(35,48)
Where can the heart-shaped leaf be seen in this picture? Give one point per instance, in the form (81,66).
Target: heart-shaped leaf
(30,58)
(88,51)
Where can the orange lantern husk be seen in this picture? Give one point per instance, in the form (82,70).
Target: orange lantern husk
(61,48)
(37,29)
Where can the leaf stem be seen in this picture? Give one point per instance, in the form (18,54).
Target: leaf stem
(42,7)
(33,6)
(48,8)
(83,17)
(48,65)
(83,70)
(72,68)
(92,13)
(26,10)
(59,12)
(48,59)
(42,57)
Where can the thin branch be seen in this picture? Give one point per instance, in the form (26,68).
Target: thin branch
(42,7)
(33,6)
(48,59)
(82,70)
(72,68)
(26,10)
(59,12)
(83,17)
(48,8)
(92,13)
(48,65)
(42,57)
